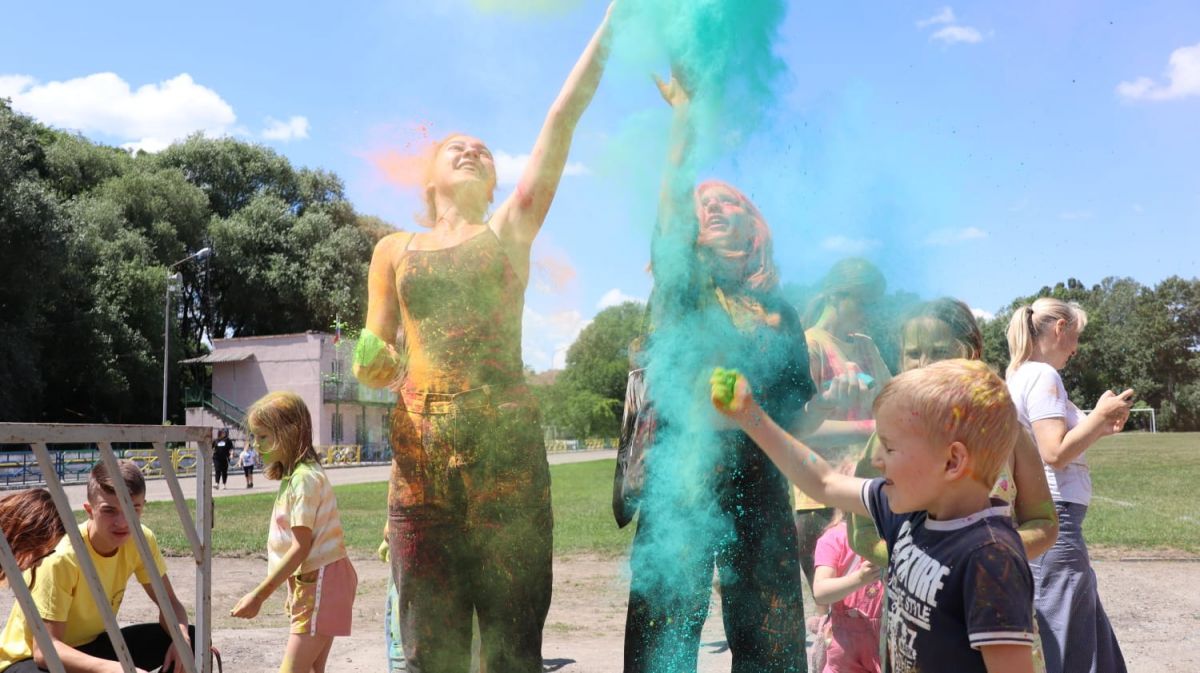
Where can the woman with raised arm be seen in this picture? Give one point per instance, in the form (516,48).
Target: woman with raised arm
(1076,634)
(469,500)
(710,496)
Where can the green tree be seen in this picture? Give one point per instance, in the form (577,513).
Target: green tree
(34,242)
(598,361)
(588,396)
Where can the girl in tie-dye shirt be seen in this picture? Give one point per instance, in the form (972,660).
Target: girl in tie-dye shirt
(305,546)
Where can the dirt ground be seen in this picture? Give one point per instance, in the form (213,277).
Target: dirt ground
(1154,605)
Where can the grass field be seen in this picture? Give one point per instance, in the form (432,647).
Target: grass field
(1145,488)
(1145,494)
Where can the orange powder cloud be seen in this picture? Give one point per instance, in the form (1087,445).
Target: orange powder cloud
(401,155)
(552,274)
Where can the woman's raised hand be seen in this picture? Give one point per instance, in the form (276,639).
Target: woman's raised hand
(1114,409)
(674,91)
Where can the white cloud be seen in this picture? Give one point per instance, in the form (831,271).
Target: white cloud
(509,167)
(981,314)
(944,16)
(11,85)
(1182,75)
(952,236)
(548,336)
(614,297)
(294,128)
(957,34)
(951,31)
(149,117)
(849,246)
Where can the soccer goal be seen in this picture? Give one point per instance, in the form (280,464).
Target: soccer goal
(1141,419)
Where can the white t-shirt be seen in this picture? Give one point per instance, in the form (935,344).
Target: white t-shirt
(248,457)
(1038,392)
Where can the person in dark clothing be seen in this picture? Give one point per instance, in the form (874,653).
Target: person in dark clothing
(710,497)
(221,448)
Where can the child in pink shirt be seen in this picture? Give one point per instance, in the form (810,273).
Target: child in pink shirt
(850,586)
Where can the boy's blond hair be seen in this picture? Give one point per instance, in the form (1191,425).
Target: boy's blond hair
(960,401)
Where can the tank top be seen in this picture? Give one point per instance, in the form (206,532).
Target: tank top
(461,313)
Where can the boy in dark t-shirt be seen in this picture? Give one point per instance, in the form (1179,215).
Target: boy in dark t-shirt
(959,587)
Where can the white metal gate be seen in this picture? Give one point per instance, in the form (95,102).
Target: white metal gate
(196,527)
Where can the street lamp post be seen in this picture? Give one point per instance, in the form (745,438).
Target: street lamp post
(203,253)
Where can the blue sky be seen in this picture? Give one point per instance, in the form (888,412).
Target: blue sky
(980,150)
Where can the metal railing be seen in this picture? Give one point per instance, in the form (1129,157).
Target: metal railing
(21,469)
(221,407)
(197,529)
(351,391)
(340,454)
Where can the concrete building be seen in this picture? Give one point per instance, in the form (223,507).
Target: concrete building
(310,365)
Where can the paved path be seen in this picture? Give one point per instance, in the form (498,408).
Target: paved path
(156,489)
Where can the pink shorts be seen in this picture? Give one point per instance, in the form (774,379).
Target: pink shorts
(321,602)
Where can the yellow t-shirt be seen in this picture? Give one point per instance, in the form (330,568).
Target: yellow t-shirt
(61,594)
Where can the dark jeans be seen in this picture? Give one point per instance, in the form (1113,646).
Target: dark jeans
(147,643)
(499,569)
(758,569)
(220,471)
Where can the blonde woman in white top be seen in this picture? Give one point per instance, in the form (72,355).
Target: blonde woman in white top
(1076,634)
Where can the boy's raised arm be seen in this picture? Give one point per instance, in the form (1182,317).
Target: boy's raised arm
(732,397)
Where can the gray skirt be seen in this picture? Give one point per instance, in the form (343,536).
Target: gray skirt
(1076,634)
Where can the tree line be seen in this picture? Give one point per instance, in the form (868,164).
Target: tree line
(88,232)
(1146,338)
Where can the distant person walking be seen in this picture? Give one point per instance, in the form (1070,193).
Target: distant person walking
(221,448)
(247,459)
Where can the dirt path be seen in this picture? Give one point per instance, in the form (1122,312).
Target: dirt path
(1159,629)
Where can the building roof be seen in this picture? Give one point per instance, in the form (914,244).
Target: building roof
(222,355)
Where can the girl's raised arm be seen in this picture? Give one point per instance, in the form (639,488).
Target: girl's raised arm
(521,215)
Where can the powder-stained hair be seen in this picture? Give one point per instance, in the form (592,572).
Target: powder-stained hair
(430,216)
(1031,322)
(958,317)
(284,417)
(31,525)
(853,277)
(101,482)
(960,401)
(761,273)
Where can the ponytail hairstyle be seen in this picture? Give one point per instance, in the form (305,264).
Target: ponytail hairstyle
(1031,322)
(283,416)
(852,276)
